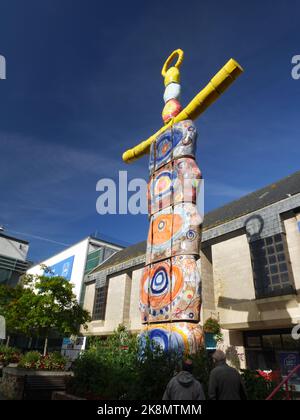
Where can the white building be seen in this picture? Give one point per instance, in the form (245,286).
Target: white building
(76,261)
(13,254)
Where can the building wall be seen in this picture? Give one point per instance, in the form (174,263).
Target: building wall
(117,306)
(13,248)
(134,314)
(232,270)
(79,251)
(207,280)
(293,241)
(236,303)
(89,297)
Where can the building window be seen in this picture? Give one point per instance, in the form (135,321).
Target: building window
(100,303)
(94,258)
(271,266)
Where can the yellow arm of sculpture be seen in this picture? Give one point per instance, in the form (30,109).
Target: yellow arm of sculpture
(218,84)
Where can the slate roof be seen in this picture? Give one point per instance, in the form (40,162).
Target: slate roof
(254,201)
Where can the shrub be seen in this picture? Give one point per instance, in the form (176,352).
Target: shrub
(34,360)
(117,368)
(258,387)
(212,326)
(203,365)
(120,368)
(9,355)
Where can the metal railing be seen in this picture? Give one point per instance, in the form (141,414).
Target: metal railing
(284,383)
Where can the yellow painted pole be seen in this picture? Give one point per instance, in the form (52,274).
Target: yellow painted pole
(218,84)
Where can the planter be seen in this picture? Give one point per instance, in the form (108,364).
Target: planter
(13,380)
(210,341)
(60,395)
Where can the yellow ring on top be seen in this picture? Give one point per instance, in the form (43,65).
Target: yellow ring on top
(172,74)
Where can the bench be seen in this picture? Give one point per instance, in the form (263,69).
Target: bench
(41,387)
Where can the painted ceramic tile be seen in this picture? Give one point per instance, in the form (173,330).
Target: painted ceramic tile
(156,292)
(159,242)
(174,231)
(170,290)
(181,337)
(186,289)
(144,295)
(186,178)
(179,140)
(174,183)
(186,230)
(160,189)
(186,146)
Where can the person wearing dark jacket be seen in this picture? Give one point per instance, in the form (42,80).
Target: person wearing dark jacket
(225,382)
(184,386)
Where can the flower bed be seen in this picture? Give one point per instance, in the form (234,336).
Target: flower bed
(9,355)
(34,360)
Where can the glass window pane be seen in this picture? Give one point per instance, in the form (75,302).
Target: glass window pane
(289,343)
(284,277)
(253,341)
(268,260)
(271,341)
(273,269)
(282,267)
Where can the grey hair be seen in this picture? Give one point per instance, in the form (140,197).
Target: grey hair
(219,356)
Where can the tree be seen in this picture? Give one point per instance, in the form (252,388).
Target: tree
(42,304)
(14,305)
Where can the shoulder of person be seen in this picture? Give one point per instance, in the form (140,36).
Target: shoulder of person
(172,380)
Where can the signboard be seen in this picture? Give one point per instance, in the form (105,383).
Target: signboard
(288,361)
(62,268)
(72,348)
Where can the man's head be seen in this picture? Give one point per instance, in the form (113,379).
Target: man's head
(187,365)
(219,356)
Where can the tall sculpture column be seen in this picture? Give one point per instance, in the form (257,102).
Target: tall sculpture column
(170,289)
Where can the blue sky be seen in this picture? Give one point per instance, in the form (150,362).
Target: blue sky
(83,84)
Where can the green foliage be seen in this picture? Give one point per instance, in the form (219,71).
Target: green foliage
(203,365)
(15,303)
(257,387)
(55,305)
(41,304)
(211,325)
(106,369)
(34,360)
(9,355)
(116,368)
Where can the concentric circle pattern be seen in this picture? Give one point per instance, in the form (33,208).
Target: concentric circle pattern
(170,285)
